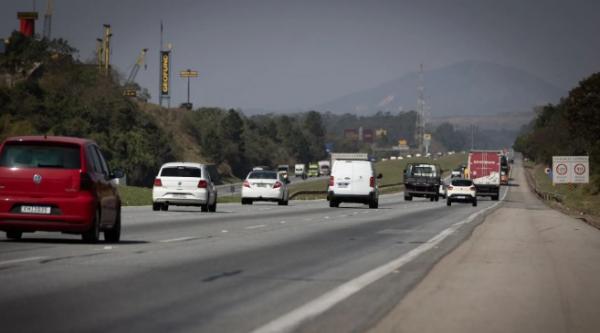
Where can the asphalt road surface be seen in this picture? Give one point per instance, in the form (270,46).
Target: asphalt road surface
(265,268)
(528,268)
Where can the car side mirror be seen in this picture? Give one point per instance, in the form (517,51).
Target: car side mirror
(379,176)
(117,173)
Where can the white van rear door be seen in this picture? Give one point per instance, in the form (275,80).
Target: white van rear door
(362,171)
(342,177)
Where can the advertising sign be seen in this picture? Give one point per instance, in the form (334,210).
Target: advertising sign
(188,73)
(165,59)
(570,170)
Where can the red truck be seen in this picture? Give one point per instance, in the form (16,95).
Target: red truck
(484,171)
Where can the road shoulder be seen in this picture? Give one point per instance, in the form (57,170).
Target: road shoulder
(527,268)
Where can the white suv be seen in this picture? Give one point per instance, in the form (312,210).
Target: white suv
(462,190)
(184,184)
(353,181)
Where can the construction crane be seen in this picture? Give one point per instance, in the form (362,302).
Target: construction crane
(48,21)
(129,90)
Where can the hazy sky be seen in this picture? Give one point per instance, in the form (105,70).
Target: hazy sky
(278,54)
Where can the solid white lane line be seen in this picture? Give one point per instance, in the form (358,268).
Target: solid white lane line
(17,261)
(180,239)
(256,226)
(291,320)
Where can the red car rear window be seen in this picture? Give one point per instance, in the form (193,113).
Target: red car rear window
(31,155)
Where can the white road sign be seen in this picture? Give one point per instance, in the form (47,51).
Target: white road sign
(570,170)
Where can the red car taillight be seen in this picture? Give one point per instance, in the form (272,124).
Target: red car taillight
(202,184)
(157,182)
(472,188)
(331,181)
(246,183)
(277,184)
(450,187)
(85,182)
(372,181)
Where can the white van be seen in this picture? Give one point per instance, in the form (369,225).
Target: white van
(353,180)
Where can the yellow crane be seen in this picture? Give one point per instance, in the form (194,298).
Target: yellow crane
(129,89)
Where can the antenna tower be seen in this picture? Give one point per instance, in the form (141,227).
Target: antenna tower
(420,128)
(48,21)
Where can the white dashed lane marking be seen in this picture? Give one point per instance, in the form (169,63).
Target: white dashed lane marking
(180,239)
(18,261)
(256,226)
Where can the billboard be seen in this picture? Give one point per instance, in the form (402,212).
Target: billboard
(368,135)
(351,134)
(165,66)
(570,170)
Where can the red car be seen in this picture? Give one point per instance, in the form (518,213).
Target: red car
(57,184)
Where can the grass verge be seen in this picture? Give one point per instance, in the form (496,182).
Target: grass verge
(577,199)
(135,196)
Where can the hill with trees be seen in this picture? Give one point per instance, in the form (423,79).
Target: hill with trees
(571,127)
(45,90)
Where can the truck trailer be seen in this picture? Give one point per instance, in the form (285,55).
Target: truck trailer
(484,171)
(324,168)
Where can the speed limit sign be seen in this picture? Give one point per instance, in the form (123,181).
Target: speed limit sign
(579,169)
(570,169)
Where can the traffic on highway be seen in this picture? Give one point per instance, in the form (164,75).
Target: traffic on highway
(241,259)
(299,166)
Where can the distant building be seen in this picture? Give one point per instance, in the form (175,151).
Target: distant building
(380,133)
(351,134)
(367,135)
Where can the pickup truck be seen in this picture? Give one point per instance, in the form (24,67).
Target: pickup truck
(422,180)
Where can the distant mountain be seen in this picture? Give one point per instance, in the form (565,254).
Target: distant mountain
(466,88)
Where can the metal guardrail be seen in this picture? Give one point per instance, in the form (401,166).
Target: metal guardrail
(544,195)
(229,189)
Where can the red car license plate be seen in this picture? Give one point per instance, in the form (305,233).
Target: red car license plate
(36,209)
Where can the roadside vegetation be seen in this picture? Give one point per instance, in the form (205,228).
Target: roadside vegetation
(574,199)
(45,90)
(569,128)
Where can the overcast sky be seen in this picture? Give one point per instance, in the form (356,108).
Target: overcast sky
(281,55)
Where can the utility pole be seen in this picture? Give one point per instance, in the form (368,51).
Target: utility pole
(48,21)
(106,48)
(99,53)
(472,137)
(420,128)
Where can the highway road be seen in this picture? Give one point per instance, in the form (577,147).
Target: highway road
(264,268)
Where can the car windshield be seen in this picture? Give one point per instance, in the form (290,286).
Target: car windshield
(423,171)
(262,175)
(40,156)
(462,182)
(181,171)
